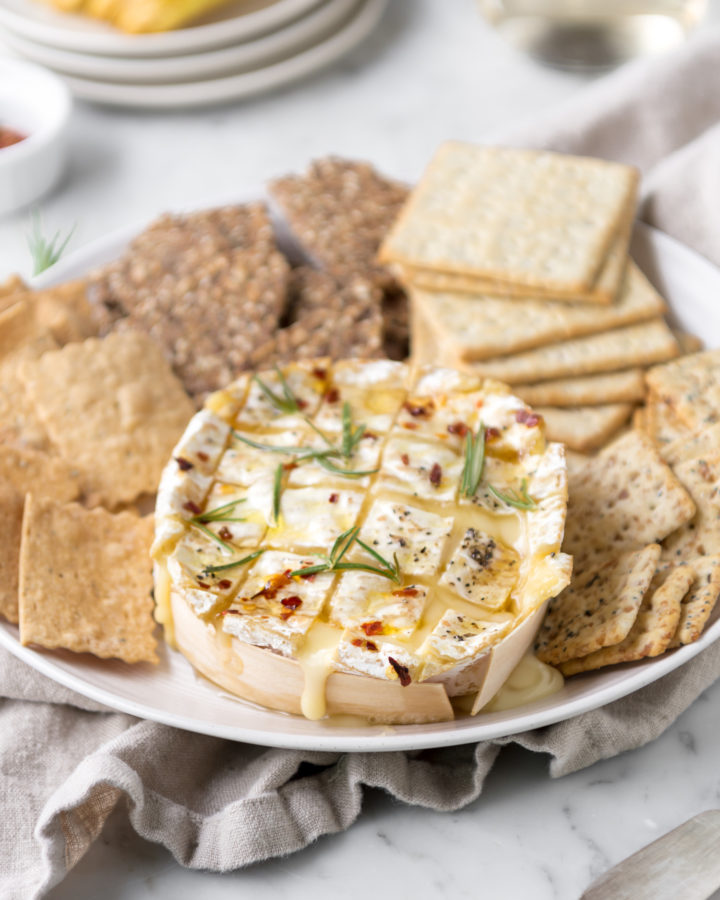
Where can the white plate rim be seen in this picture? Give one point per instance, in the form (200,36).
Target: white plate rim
(298,35)
(650,248)
(106,41)
(207,92)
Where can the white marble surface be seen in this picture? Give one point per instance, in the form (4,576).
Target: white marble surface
(434,71)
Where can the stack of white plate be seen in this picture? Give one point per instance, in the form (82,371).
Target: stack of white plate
(245,48)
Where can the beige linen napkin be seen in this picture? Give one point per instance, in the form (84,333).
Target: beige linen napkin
(65,762)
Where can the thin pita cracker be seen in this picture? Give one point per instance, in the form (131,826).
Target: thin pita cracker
(86,581)
(562,213)
(11,515)
(9,289)
(699,602)
(481,327)
(691,386)
(33,470)
(119,422)
(598,609)
(584,428)
(634,345)
(653,629)
(622,499)
(701,535)
(21,338)
(588,390)
(65,311)
(704,443)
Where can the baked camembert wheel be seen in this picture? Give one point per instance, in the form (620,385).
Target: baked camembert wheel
(360,538)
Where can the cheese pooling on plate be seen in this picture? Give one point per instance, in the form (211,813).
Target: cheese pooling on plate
(360,537)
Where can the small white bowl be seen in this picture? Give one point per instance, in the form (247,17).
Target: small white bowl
(35,103)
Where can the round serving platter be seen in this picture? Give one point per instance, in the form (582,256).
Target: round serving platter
(173,694)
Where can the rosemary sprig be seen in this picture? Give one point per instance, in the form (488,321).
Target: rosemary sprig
(287,403)
(334,562)
(44,252)
(212,570)
(211,534)
(519,499)
(474,466)
(277,490)
(351,435)
(302,452)
(220,513)
(348,473)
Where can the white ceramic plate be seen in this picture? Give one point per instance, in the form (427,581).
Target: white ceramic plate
(171,693)
(318,24)
(240,21)
(236,87)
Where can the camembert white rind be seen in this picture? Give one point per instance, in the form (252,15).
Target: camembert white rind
(360,537)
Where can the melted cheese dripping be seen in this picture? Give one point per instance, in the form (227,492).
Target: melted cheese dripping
(530,680)
(163,609)
(316,658)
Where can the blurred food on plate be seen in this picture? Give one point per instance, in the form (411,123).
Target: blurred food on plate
(137,16)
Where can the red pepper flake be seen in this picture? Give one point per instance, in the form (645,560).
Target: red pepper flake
(368,645)
(418,410)
(8,137)
(435,475)
(405,459)
(231,612)
(184,464)
(274,584)
(289,466)
(224,584)
(292,602)
(333,498)
(320,373)
(202,456)
(301,404)
(526,417)
(202,584)
(225,534)
(406,592)
(402,672)
(372,628)
(458,428)
(491,434)
(192,507)
(369,435)
(333,395)
(411,426)
(285,615)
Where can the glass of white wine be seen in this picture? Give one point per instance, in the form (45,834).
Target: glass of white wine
(586,34)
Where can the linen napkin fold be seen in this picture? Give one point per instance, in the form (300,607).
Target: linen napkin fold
(66,762)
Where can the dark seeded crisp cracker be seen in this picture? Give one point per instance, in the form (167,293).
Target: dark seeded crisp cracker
(701,535)
(598,609)
(340,211)
(699,602)
(208,287)
(326,319)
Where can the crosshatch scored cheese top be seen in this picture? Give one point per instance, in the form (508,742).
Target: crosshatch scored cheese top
(361,518)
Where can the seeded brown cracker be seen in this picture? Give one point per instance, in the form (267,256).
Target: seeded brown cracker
(699,603)
(634,345)
(653,629)
(705,442)
(340,211)
(701,535)
(691,386)
(64,310)
(584,428)
(208,287)
(9,289)
(28,469)
(598,609)
(588,390)
(662,424)
(520,216)
(622,499)
(119,421)
(86,581)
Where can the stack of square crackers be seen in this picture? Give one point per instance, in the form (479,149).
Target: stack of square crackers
(516,264)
